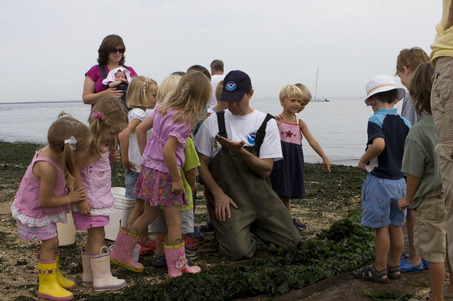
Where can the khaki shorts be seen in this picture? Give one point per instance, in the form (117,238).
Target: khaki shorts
(430,228)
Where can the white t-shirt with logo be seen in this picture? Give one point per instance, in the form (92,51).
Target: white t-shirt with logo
(240,128)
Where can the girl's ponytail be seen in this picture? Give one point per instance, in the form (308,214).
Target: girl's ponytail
(68,136)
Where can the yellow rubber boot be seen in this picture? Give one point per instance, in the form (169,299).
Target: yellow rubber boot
(64,282)
(49,288)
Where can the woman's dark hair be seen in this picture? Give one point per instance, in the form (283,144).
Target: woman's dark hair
(109,43)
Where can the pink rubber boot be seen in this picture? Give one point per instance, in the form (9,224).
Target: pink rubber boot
(122,251)
(177,262)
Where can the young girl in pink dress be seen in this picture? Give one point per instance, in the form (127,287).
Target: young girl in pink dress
(108,118)
(287,176)
(159,182)
(43,197)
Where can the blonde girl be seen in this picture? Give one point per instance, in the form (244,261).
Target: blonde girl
(167,86)
(287,175)
(141,95)
(159,182)
(41,201)
(108,118)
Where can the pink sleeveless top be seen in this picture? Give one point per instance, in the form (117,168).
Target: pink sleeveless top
(97,181)
(290,132)
(26,207)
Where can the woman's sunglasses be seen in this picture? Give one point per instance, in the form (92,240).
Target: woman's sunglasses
(115,50)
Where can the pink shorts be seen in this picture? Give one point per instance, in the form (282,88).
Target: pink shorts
(39,233)
(84,222)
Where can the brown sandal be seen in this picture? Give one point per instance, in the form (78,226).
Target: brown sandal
(376,276)
(394,272)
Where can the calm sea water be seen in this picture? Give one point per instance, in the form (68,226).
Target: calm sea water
(339,125)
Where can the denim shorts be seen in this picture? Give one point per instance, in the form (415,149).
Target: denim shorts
(380,202)
(159,224)
(130,179)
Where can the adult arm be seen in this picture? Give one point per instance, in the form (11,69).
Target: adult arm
(89,95)
(412,185)
(221,200)
(326,164)
(450,17)
(373,151)
(263,167)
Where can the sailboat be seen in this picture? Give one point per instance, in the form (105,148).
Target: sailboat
(316,87)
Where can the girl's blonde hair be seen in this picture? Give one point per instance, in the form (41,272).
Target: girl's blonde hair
(190,98)
(68,136)
(218,90)
(167,86)
(420,88)
(107,113)
(136,95)
(289,91)
(306,94)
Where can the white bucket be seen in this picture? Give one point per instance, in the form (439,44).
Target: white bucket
(123,208)
(66,232)
(135,253)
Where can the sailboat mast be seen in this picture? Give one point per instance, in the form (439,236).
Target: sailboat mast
(316,84)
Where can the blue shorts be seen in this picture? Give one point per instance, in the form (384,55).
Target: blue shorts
(380,202)
(130,179)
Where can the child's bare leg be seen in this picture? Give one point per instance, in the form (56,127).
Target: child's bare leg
(48,249)
(160,236)
(137,211)
(410,222)
(450,273)
(286,202)
(436,280)
(95,240)
(396,245)
(149,215)
(382,247)
(174,221)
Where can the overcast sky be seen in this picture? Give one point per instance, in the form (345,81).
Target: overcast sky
(47,46)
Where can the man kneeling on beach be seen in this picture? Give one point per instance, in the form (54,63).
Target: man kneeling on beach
(237,149)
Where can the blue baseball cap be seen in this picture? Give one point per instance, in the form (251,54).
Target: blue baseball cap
(235,84)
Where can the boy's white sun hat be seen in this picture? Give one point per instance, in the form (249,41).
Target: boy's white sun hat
(382,83)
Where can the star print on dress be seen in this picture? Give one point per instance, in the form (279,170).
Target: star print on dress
(289,134)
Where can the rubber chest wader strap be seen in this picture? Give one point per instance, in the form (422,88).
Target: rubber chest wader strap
(222,128)
(259,138)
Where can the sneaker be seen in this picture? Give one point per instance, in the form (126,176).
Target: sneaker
(299,225)
(207,227)
(196,234)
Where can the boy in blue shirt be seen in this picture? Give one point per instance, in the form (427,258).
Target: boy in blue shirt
(384,184)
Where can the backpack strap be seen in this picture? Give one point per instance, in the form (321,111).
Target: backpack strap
(103,70)
(222,128)
(259,138)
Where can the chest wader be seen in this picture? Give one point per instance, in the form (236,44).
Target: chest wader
(261,213)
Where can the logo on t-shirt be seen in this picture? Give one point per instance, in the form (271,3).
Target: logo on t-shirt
(251,138)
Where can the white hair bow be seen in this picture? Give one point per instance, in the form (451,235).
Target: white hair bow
(72,142)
